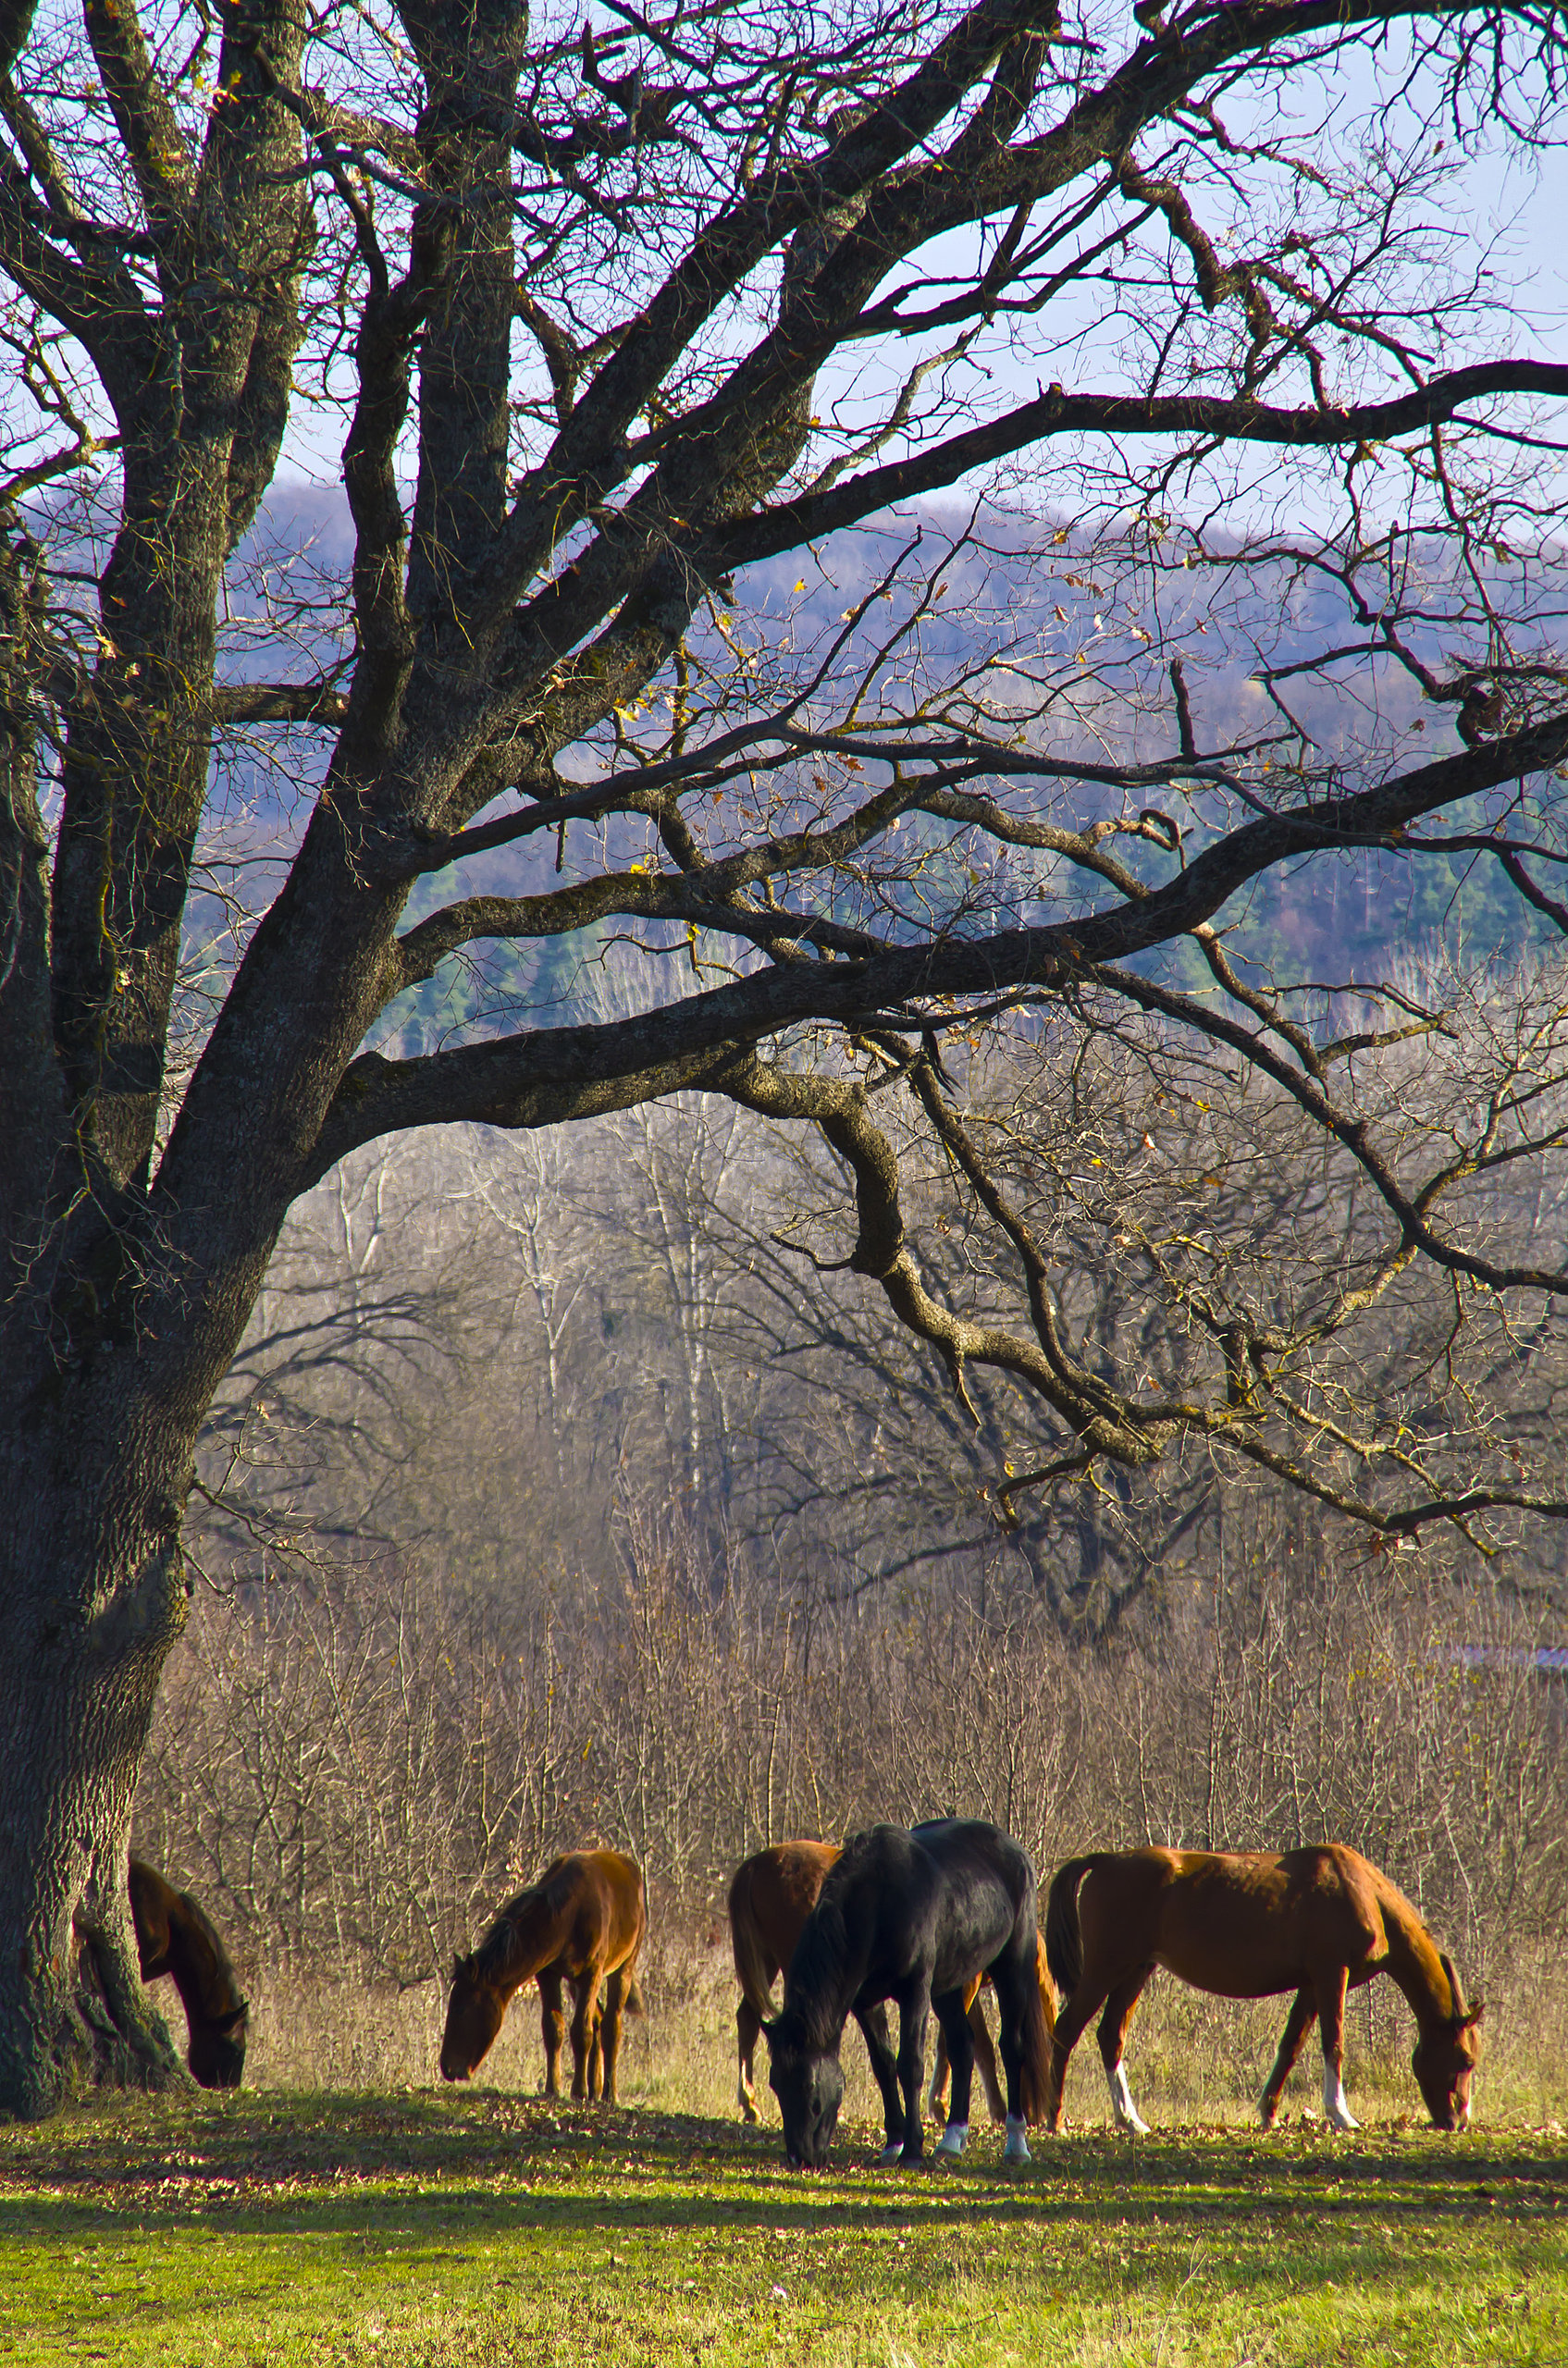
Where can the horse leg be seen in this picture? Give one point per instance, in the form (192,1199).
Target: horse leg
(584,2030)
(953,2029)
(884,2071)
(1112,2031)
(748,2030)
(1015,1985)
(552,2022)
(607,2048)
(914,2008)
(1331,1990)
(1303,2013)
(1071,2023)
(936,2096)
(986,2060)
(596,2058)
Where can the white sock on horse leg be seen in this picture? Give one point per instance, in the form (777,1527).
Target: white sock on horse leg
(1126,2111)
(1016,2150)
(952,2139)
(1334,2104)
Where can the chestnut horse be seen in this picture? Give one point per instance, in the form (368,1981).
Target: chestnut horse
(1248,1925)
(770,1896)
(915,1916)
(582,1923)
(173,1936)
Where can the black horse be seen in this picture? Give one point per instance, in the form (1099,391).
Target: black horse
(913,1916)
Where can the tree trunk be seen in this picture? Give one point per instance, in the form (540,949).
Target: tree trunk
(83,1636)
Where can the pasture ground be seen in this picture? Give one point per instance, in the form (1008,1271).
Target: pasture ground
(413,2228)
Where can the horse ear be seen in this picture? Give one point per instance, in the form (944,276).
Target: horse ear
(457,1969)
(1474,2015)
(224,2024)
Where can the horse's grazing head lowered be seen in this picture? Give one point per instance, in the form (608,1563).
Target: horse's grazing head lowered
(808,2083)
(476,2011)
(1444,2060)
(218,2047)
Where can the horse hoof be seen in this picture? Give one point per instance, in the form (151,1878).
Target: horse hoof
(952,2139)
(1017,2149)
(889,2156)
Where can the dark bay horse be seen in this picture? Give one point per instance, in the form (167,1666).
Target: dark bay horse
(173,1936)
(770,1896)
(1248,1925)
(582,1924)
(914,1916)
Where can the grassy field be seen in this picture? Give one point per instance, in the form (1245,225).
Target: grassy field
(468,2229)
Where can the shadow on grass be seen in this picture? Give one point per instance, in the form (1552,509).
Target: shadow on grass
(353,2168)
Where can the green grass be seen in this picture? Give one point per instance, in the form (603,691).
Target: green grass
(468,2230)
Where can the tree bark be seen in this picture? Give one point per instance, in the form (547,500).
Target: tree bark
(93,1597)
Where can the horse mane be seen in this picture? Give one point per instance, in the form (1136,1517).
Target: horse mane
(815,1976)
(1426,1972)
(522,1936)
(205,1956)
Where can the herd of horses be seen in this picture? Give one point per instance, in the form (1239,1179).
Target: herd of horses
(920,1917)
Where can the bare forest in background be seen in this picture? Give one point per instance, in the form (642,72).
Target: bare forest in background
(559,1495)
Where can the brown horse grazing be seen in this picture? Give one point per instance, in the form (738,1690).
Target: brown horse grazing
(770,1896)
(173,1936)
(582,1923)
(1247,1925)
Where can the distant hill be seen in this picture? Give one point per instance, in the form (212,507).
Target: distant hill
(1005,599)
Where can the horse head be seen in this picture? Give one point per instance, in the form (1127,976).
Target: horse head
(1445,2058)
(808,2083)
(475,2014)
(218,2048)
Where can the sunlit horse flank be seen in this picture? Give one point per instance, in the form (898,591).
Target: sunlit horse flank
(772,1894)
(581,1924)
(913,1916)
(1250,1925)
(174,1936)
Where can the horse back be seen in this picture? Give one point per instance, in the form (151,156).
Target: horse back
(1241,1924)
(597,1900)
(986,1899)
(771,1895)
(152,1902)
(945,1901)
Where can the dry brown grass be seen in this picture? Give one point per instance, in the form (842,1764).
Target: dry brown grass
(1190,2058)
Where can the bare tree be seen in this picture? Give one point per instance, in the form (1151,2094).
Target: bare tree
(602,318)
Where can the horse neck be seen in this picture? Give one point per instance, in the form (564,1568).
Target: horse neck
(198,1965)
(1416,1965)
(523,1938)
(823,1988)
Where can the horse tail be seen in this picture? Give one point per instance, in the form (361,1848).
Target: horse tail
(1034,2051)
(1064,1937)
(752,1970)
